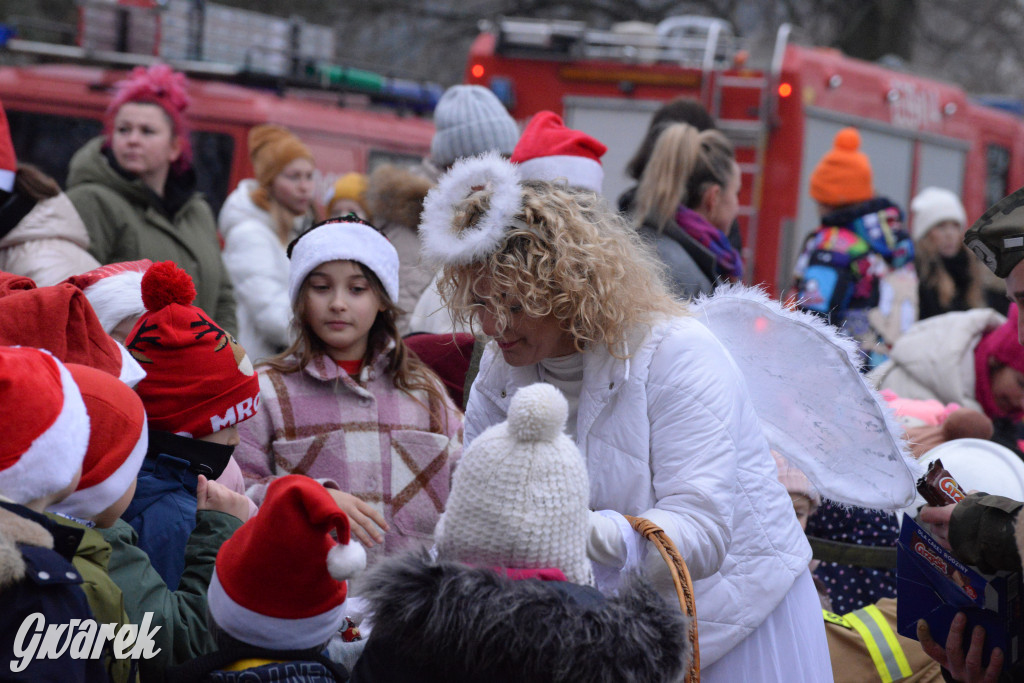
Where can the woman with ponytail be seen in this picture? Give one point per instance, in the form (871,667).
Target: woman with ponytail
(685,204)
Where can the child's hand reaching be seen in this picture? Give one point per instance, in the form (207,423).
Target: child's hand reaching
(365,523)
(213,496)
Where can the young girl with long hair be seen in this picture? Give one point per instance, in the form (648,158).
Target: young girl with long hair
(347,403)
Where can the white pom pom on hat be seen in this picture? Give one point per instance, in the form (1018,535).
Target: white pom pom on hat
(537,413)
(513,482)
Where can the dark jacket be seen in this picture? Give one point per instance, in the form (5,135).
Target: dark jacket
(36,575)
(981,532)
(163,509)
(448,622)
(127,221)
(259,665)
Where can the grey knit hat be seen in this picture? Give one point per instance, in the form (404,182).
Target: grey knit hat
(470,120)
(998,236)
(520,497)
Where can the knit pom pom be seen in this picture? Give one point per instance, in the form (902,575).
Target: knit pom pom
(346,560)
(848,139)
(165,283)
(538,413)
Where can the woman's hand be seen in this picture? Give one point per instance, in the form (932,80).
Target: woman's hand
(961,668)
(365,523)
(213,496)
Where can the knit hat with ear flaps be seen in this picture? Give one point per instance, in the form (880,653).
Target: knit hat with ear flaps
(342,239)
(46,427)
(471,120)
(279,581)
(548,150)
(198,378)
(271,148)
(934,205)
(118,439)
(843,176)
(520,496)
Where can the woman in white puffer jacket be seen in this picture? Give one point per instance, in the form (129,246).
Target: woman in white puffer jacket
(257,222)
(656,404)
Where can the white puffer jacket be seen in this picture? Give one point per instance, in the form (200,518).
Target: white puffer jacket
(49,244)
(934,359)
(258,266)
(670,435)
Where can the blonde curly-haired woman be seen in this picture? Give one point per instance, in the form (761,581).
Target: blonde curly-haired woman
(571,296)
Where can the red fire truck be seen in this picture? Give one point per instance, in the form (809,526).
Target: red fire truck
(782,118)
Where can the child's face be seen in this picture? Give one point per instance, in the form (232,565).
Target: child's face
(802,506)
(109,517)
(225,437)
(340,308)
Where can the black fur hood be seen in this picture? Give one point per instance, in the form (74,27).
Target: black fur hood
(466,624)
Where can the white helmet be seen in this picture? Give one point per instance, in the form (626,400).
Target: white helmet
(979,465)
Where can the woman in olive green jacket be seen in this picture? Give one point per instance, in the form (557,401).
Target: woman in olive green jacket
(134,188)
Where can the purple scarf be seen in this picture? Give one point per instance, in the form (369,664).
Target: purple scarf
(696,226)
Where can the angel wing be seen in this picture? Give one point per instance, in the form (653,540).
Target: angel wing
(814,405)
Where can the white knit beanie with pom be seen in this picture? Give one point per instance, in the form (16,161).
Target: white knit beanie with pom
(520,496)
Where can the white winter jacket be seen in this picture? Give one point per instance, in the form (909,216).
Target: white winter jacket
(258,266)
(670,435)
(49,244)
(934,359)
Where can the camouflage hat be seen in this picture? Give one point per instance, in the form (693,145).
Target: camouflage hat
(998,236)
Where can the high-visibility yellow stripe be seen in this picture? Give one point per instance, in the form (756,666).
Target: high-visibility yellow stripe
(833,618)
(882,665)
(890,637)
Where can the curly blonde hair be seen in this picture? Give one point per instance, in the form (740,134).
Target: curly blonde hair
(566,255)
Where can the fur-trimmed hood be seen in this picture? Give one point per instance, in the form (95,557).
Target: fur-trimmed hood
(395,196)
(463,624)
(15,529)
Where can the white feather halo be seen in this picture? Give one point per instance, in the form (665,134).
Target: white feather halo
(442,243)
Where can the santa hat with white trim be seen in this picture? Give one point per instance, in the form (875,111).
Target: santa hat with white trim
(280,580)
(46,426)
(547,150)
(118,439)
(8,161)
(114,291)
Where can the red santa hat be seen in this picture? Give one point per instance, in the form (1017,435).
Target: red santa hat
(279,581)
(547,150)
(199,380)
(8,162)
(61,320)
(114,290)
(118,439)
(46,427)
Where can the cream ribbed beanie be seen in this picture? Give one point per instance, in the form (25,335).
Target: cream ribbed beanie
(520,495)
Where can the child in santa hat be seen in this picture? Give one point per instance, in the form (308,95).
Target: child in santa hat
(269,629)
(46,435)
(347,403)
(199,386)
(511,597)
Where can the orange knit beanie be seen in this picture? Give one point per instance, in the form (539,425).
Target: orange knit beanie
(271,148)
(843,176)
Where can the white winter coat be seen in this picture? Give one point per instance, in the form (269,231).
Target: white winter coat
(49,244)
(670,435)
(258,266)
(934,359)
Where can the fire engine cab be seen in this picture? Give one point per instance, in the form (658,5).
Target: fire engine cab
(782,118)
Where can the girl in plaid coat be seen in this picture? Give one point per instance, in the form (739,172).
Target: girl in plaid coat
(347,403)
